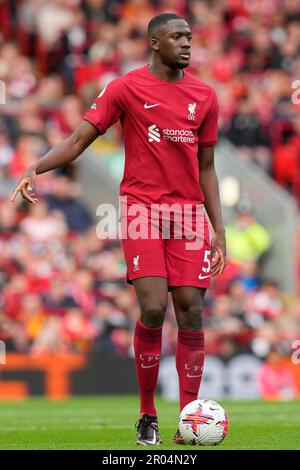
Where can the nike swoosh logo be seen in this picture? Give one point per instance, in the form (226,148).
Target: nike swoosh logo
(147,106)
(203,277)
(193,376)
(148,367)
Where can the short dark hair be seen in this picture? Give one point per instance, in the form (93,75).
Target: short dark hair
(163,18)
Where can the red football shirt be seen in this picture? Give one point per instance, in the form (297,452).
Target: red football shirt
(163,125)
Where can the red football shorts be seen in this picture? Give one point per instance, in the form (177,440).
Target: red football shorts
(171,257)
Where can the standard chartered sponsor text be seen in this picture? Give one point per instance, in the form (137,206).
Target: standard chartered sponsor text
(179,135)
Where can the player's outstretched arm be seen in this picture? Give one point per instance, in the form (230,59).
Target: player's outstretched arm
(60,155)
(210,189)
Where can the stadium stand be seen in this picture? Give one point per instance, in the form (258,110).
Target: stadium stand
(61,288)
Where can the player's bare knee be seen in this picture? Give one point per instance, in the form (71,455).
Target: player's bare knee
(153,316)
(190,318)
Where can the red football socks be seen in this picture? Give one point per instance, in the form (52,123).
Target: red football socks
(189,364)
(147,348)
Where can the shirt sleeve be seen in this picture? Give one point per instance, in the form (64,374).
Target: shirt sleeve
(208,131)
(108,106)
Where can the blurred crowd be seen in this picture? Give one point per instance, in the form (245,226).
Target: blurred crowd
(56,55)
(63,289)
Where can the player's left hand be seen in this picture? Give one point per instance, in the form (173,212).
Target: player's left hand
(218,247)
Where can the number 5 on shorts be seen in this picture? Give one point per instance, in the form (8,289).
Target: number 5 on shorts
(206,262)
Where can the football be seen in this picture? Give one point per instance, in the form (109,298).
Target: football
(203,422)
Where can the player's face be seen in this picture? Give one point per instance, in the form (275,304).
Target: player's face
(174,44)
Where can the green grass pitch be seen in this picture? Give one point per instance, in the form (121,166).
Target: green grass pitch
(107,423)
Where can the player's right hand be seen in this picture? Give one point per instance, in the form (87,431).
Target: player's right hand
(25,187)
